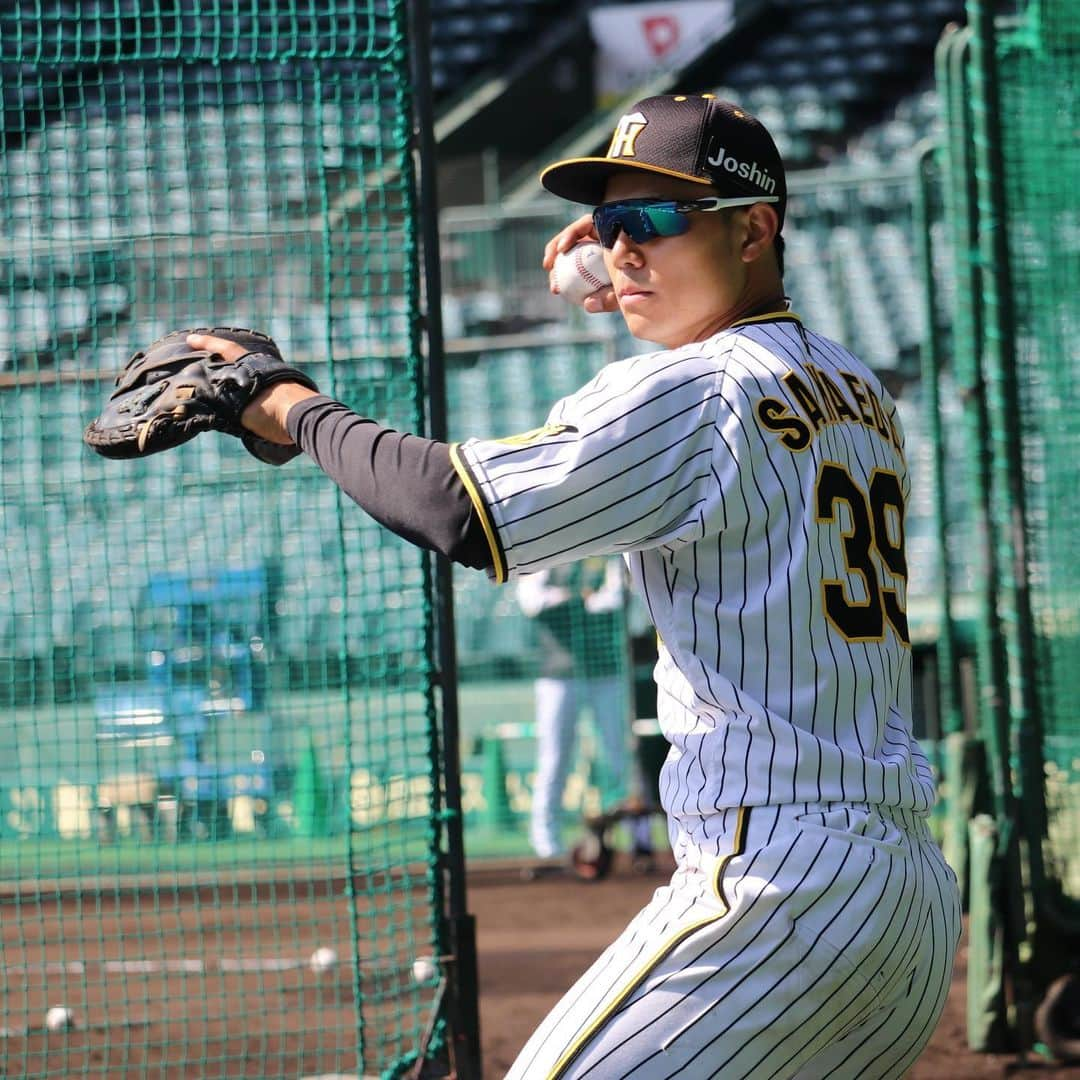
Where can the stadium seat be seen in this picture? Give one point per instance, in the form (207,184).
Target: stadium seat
(834,66)
(899,12)
(796,70)
(747,73)
(892,252)
(786,45)
(811,18)
(794,148)
(807,281)
(825,42)
(876,63)
(850,90)
(912,35)
(869,38)
(869,317)
(811,113)
(939,10)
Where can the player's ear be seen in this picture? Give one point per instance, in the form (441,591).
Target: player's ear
(762,225)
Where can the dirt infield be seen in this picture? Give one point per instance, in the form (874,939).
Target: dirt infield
(208,980)
(534,938)
(215,981)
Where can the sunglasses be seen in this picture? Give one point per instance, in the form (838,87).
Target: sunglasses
(646,219)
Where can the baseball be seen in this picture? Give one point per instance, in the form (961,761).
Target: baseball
(59,1018)
(322,959)
(423,969)
(579,272)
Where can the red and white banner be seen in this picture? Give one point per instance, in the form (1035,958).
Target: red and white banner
(634,41)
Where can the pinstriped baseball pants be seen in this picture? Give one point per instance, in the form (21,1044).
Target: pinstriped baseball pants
(821,945)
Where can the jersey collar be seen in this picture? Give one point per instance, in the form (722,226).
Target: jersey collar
(768,316)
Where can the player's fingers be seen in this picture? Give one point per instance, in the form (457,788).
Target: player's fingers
(567,237)
(228,350)
(601,300)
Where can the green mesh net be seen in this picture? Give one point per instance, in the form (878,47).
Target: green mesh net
(1039,65)
(219,812)
(1009,170)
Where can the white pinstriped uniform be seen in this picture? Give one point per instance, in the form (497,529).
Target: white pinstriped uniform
(755,483)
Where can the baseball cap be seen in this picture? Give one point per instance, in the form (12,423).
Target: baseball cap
(696,137)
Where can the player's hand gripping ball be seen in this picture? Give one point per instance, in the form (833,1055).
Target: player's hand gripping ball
(168,393)
(579,272)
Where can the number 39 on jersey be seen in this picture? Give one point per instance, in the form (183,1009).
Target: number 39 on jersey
(871,524)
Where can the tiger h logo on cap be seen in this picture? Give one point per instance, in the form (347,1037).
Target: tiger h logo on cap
(629,128)
(698,138)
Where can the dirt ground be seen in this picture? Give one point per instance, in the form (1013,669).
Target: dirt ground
(204,982)
(534,939)
(215,981)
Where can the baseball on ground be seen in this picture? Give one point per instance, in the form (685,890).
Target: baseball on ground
(59,1018)
(322,959)
(579,272)
(423,969)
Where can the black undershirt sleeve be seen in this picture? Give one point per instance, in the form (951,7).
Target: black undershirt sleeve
(405,482)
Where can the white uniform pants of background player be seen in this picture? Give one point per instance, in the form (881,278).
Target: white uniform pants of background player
(558,705)
(820,946)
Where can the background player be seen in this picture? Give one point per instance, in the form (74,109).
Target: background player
(753,473)
(578,609)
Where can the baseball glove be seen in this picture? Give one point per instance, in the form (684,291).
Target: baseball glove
(168,393)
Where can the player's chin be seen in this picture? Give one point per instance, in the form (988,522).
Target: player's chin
(645,328)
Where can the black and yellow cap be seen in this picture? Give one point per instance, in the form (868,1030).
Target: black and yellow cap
(692,137)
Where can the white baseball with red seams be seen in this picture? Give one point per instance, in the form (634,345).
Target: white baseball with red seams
(579,272)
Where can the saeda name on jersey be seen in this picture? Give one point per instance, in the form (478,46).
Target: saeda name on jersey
(821,402)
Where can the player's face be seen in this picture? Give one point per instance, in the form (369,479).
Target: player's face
(673,290)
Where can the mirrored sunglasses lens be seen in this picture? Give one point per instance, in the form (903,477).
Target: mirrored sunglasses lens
(637,224)
(666,221)
(609,221)
(602,225)
(640,223)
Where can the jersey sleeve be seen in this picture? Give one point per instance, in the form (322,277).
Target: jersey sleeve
(624,464)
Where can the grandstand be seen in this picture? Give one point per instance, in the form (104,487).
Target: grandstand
(858,112)
(157,166)
(86,195)
(847,90)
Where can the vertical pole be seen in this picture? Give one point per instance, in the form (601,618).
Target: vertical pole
(463,996)
(953,740)
(1022,846)
(987,1005)
(951,61)
(328,234)
(999,358)
(931,361)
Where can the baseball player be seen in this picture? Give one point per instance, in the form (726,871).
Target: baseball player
(752,474)
(578,611)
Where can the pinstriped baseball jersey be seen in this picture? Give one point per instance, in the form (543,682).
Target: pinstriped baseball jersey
(755,483)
